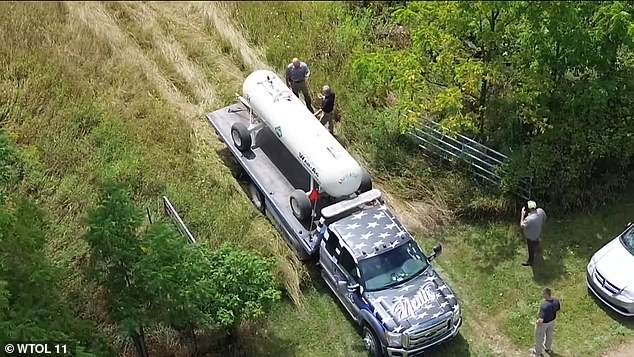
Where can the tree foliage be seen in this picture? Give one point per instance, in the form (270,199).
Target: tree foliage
(115,251)
(241,284)
(550,82)
(155,277)
(191,286)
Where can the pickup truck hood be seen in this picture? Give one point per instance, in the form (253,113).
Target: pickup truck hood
(615,264)
(417,302)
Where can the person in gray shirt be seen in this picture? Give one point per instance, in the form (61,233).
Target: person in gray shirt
(531,223)
(297,75)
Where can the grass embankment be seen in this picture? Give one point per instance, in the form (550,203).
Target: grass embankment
(500,297)
(94,93)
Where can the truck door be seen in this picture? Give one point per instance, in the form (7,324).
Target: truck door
(348,276)
(328,256)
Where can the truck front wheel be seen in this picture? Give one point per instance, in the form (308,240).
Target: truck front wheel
(372,343)
(300,205)
(241,136)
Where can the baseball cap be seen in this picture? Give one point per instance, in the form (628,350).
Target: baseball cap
(531,204)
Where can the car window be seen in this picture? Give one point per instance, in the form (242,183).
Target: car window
(628,240)
(348,265)
(393,267)
(332,244)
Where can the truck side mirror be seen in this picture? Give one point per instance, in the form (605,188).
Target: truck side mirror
(437,249)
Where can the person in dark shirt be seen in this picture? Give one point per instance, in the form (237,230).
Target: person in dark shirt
(545,326)
(327,111)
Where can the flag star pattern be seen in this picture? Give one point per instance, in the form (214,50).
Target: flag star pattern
(376,226)
(390,226)
(358,215)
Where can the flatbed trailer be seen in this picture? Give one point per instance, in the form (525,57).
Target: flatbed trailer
(274,174)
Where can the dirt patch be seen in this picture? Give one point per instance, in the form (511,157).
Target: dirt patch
(624,350)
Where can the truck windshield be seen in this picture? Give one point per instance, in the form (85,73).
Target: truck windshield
(393,267)
(628,240)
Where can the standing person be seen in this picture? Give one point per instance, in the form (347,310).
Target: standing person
(326,113)
(531,223)
(297,75)
(545,327)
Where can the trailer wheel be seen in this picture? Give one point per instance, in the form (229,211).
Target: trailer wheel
(300,205)
(257,198)
(241,136)
(366,182)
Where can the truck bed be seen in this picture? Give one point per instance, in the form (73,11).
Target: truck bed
(273,170)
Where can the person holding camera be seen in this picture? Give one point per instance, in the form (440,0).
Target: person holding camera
(532,221)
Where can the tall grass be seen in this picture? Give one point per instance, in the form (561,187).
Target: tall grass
(328,36)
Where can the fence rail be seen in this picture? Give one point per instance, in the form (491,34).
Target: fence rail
(172,213)
(483,161)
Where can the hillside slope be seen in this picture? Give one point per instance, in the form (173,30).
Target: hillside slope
(98,91)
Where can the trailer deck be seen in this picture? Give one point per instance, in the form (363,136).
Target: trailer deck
(274,171)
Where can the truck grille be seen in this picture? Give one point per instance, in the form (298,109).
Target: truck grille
(430,333)
(606,284)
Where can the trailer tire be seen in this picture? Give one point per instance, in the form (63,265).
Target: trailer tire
(366,182)
(256,196)
(241,136)
(300,205)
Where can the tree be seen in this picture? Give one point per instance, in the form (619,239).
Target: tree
(189,286)
(241,284)
(155,277)
(115,253)
(170,271)
(548,81)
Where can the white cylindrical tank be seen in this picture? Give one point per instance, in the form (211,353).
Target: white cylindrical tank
(331,166)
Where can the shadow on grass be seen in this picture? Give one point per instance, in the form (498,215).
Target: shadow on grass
(549,268)
(259,342)
(493,245)
(458,346)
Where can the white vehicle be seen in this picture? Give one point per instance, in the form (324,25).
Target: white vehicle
(610,273)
